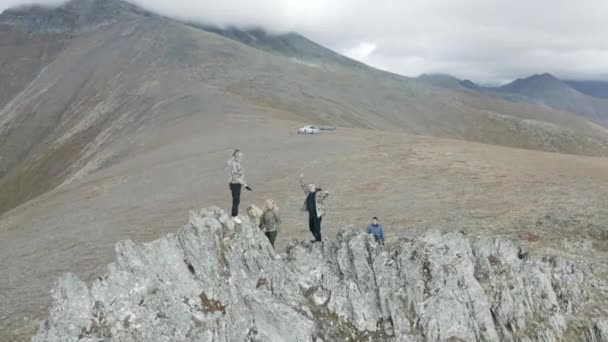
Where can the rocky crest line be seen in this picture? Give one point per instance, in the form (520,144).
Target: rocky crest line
(213,281)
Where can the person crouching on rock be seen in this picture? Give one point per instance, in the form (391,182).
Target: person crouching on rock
(270,221)
(315,206)
(237,181)
(376,229)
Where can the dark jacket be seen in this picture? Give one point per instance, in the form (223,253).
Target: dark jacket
(320,197)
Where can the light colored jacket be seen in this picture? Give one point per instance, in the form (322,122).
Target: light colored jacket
(237,174)
(319,199)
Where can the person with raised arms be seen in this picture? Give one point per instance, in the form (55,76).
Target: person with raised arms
(314,205)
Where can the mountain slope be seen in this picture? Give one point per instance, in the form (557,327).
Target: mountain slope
(22,57)
(544,90)
(128,120)
(291,45)
(597,89)
(548,90)
(118,72)
(441,80)
(470,85)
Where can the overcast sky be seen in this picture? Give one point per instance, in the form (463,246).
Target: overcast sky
(482,40)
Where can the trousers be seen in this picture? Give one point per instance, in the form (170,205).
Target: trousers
(235,189)
(271,237)
(314,223)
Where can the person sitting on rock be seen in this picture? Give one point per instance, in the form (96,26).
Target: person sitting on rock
(315,206)
(270,221)
(376,229)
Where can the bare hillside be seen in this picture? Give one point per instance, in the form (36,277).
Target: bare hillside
(114,70)
(115,124)
(550,202)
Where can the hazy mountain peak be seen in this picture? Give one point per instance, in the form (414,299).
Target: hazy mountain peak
(75,15)
(290,44)
(440,80)
(546,89)
(537,78)
(470,85)
(537,83)
(543,77)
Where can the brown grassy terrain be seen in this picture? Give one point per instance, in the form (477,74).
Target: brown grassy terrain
(550,202)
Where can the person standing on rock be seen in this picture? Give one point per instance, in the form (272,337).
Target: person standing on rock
(237,182)
(270,221)
(376,229)
(315,206)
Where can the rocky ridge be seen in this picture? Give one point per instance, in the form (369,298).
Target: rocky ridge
(214,281)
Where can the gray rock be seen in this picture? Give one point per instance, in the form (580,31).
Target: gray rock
(213,281)
(599,232)
(598,332)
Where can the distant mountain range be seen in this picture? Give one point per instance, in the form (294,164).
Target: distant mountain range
(110,101)
(84,82)
(597,89)
(585,98)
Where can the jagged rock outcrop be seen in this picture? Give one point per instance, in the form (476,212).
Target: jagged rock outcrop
(213,281)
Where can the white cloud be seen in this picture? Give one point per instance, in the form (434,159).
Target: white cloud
(484,40)
(361,51)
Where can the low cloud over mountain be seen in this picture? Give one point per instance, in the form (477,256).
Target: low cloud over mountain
(486,41)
